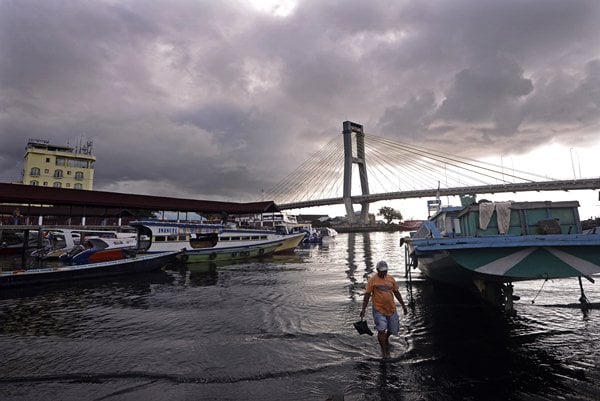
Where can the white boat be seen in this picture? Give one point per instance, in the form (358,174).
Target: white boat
(327,235)
(212,242)
(282,223)
(63,241)
(268,220)
(245,236)
(321,235)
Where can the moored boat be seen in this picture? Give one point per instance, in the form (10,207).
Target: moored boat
(62,241)
(321,235)
(100,249)
(212,242)
(488,246)
(245,236)
(137,264)
(327,235)
(275,224)
(12,241)
(410,225)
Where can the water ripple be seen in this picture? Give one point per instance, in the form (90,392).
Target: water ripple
(281,328)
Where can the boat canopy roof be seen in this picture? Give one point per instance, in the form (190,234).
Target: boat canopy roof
(446,209)
(163,227)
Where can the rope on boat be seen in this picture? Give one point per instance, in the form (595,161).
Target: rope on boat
(408,275)
(583,299)
(540,290)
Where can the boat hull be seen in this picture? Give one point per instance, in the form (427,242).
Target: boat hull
(103,255)
(206,243)
(229,254)
(506,259)
(291,243)
(410,225)
(138,264)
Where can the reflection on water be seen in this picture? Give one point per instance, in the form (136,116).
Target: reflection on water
(357,284)
(118,284)
(281,328)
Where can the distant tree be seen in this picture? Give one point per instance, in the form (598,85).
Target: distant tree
(389,214)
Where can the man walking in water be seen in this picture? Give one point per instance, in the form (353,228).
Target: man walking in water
(383,288)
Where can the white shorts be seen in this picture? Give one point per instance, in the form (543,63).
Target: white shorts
(383,322)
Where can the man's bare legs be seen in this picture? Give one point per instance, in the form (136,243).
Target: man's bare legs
(382,337)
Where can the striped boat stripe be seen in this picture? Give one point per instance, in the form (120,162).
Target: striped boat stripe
(586,268)
(500,266)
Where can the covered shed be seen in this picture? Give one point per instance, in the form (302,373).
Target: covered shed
(48,201)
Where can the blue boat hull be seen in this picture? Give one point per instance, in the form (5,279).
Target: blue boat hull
(140,264)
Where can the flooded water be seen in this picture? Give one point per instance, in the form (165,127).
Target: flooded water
(281,329)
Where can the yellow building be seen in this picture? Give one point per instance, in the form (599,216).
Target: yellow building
(58,166)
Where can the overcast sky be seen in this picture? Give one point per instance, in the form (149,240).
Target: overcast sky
(220,99)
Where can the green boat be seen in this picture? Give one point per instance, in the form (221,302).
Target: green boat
(487,246)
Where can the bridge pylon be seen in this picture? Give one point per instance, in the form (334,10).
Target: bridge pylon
(353,133)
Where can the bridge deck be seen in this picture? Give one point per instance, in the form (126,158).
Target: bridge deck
(555,185)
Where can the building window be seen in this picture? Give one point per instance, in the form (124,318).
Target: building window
(79,175)
(61,161)
(45,183)
(57,185)
(47,160)
(46,171)
(35,183)
(77,163)
(58,174)
(78,186)
(68,185)
(68,172)
(35,172)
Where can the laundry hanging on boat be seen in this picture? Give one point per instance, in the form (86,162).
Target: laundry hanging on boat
(486,210)
(503,216)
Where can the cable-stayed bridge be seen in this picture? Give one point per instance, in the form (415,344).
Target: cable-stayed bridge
(390,169)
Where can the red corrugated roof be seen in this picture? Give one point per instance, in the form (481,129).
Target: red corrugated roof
(29,194)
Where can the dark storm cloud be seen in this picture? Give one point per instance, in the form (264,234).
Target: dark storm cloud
(476,94)
(496,68)
(219,100)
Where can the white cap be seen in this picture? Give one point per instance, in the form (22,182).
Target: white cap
(382,266)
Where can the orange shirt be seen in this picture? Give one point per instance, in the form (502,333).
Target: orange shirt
(382,293)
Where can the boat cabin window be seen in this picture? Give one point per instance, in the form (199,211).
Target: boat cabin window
(448,225)
(244,238)
(441,225)
(170,238)
(281,230)
(204,241)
